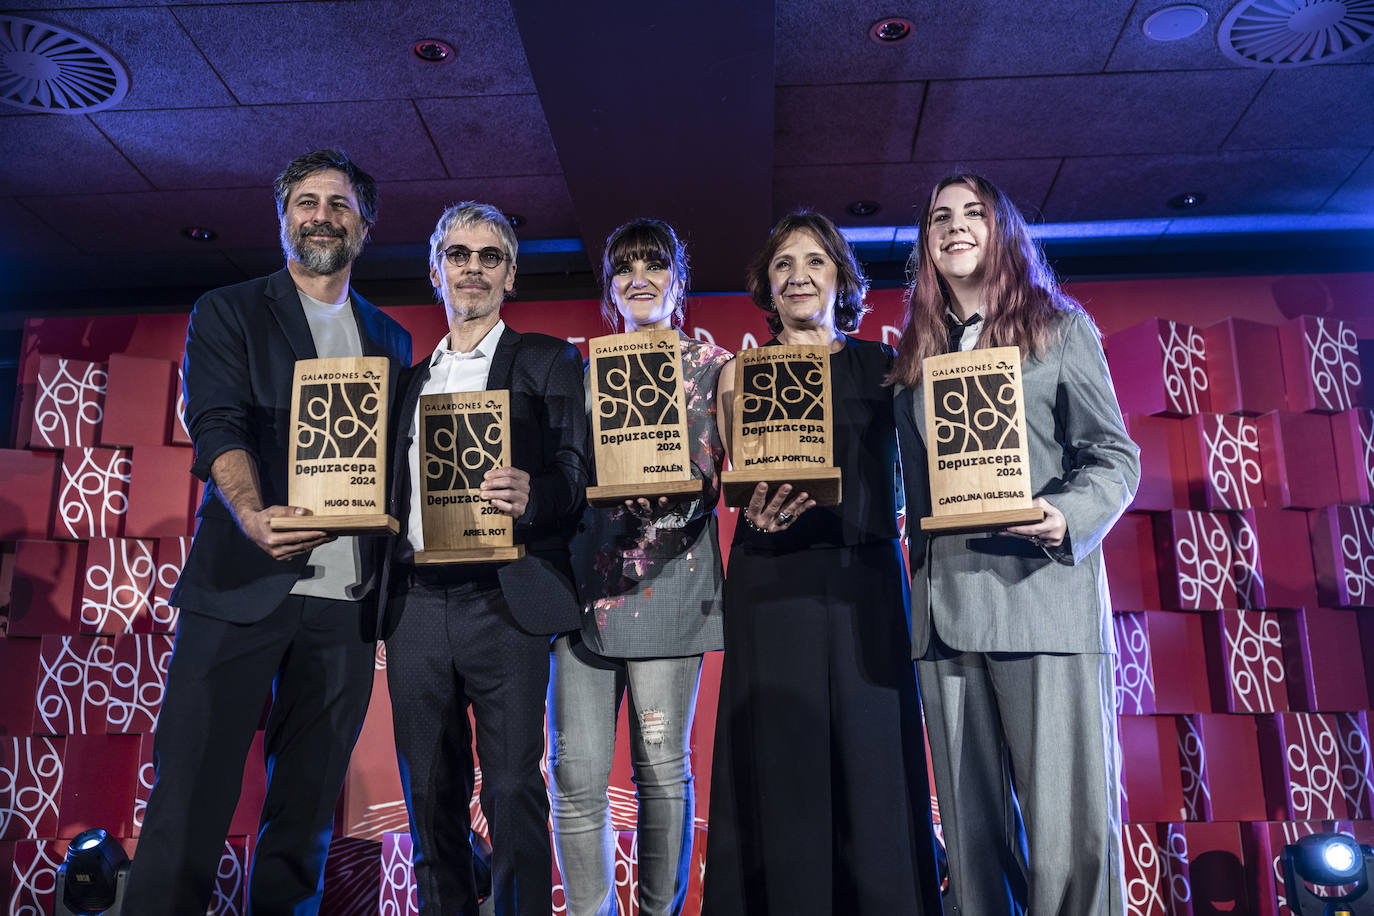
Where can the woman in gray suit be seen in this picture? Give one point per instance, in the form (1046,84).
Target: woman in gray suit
(650,580)
(1012,630)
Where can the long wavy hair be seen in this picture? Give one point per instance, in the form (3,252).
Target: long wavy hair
(851,285)
(1023,298)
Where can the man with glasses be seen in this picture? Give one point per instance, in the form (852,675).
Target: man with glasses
(474,634)
(288,614)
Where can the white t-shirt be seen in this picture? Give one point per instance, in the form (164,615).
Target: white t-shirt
(334,570)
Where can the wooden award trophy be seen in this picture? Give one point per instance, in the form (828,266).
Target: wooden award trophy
(782,428)
(338,447)
(639,419)
(976,441)
(462,436)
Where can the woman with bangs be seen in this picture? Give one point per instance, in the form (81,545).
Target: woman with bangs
(820,802)
(1012,630)
(649,576)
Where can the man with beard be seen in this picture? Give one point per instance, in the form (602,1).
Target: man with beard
(477,635)
(292,613)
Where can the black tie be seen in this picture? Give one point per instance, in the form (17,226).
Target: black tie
(956,329)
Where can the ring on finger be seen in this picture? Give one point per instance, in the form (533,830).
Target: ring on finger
(785,517)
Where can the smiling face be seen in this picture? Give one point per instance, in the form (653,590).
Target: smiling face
(471,292)
(321,226)
(958,234)
(803,277)
(645,292)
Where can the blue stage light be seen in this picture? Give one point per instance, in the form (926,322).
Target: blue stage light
(1341,857)
(1326,874)
(91,880)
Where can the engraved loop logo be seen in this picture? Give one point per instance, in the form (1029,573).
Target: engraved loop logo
(975,413)
(459,448)
(637,389)
(783,390)
(338,420)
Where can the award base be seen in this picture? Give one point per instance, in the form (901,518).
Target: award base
(982,521)
(469,555)
(617,493)
(821,484)
(375,523)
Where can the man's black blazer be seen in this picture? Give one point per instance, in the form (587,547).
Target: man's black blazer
(242,344)
(548,429)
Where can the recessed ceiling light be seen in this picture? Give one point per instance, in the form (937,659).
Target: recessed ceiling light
(863,207)
(1174,22)
(432,50)
(200,233)
(516,220)
(890,30)
(1188,200)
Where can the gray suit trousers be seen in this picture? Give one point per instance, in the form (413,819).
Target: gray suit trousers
(1044,726)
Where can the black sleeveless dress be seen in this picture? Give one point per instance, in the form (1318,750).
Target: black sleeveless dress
(820,801)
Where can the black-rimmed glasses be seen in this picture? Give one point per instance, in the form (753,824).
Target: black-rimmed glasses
(489,257)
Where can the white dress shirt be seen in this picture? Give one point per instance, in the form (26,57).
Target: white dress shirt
(972,331)
(450,372)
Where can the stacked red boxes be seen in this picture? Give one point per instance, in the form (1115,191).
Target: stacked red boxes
(1241,357)
(1321,364)
(1159,367)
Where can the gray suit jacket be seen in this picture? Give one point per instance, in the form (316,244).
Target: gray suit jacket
(997,593)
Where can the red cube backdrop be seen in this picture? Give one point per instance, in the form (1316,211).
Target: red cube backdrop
(45,594)
(1242,357)
(118,592)
(1159,367)
(28,493)
(93,496)
(1227,449)
(69,404)
(138,402)
(1242,580)
(1223,778)
(1246,661)
(1168,479)
(1321,364)
(162,493)
(1298,459)
(1352,437)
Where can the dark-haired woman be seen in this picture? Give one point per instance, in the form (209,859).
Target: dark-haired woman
(819,796)
(650,580)
(1013,629)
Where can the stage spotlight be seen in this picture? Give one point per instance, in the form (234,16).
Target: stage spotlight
(1327,874)
(91,880)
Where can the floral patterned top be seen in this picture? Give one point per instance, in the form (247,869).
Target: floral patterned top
(652,589)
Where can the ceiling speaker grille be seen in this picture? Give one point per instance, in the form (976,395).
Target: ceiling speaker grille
(45,67)
(1295,33)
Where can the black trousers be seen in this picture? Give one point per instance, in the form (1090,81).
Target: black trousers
(455,645)
(316,658)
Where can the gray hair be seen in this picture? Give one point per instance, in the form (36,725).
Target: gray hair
(465,215)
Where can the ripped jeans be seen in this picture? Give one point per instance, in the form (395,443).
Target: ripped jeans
(585,691)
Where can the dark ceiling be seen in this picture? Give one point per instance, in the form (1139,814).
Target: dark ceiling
(718,116)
